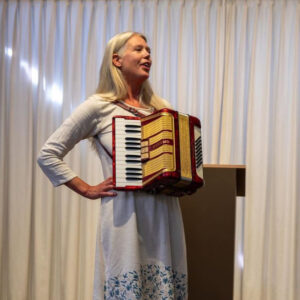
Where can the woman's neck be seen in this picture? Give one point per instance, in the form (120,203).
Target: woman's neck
(133,102)
(133,96)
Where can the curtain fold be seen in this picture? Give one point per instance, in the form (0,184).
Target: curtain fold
(233,63)
(272,225)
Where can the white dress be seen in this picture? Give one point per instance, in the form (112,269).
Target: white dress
(140,251)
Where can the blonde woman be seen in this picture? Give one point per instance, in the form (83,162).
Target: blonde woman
(140,252)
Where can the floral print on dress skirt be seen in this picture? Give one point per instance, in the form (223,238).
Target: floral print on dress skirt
(150,282)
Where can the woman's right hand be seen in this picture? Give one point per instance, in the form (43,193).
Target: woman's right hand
(103,189)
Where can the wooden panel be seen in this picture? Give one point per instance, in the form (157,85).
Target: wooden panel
(209,220)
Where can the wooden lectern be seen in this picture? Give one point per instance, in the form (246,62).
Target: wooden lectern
(209,221)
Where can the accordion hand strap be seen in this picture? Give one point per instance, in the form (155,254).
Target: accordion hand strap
(129,108)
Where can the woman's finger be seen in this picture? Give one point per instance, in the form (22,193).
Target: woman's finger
(109,179)
(108,188)
(108,194)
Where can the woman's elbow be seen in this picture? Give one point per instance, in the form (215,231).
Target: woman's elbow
(40,158)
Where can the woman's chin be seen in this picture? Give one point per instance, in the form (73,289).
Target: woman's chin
(142,77)
(146,74)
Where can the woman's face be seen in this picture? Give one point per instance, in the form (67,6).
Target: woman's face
(135,60)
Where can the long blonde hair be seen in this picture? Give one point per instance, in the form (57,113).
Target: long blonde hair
(112,85)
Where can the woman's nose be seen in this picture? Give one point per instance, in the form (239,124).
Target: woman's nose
(146,54)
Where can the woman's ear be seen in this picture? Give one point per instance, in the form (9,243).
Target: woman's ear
(116,60)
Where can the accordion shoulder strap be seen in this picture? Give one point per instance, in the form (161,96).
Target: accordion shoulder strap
(129,108)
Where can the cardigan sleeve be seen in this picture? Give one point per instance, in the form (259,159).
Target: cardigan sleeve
(84,122)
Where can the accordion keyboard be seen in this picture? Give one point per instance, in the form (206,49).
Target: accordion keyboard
(128,152)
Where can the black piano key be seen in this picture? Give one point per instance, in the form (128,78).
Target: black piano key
(133,178)
(130,138)
(198,145)
(133,169)
(198,148)
(132,160)
(198,141)
(199,160)
(132,126)
(199,164)
(133,174)
(132,131)
(198,152)
(198,157)
(132,156)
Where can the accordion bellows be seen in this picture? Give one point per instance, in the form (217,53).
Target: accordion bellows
(159,153)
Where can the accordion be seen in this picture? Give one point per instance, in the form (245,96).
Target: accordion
(158,153)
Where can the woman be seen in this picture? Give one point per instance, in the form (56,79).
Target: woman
(140,251)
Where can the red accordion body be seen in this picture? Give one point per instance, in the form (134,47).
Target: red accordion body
(159,153)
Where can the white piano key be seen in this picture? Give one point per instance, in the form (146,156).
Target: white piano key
(122,165)
(123,183)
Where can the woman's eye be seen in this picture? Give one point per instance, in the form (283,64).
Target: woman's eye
(139,49)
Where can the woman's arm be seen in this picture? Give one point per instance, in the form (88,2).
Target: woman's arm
(83,123)
(92,191)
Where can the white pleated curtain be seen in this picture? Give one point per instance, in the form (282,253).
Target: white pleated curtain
(235,64)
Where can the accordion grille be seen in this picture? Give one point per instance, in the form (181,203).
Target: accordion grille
(161,151)
(185,147)
(160,136)
(164,162)
(164,122)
